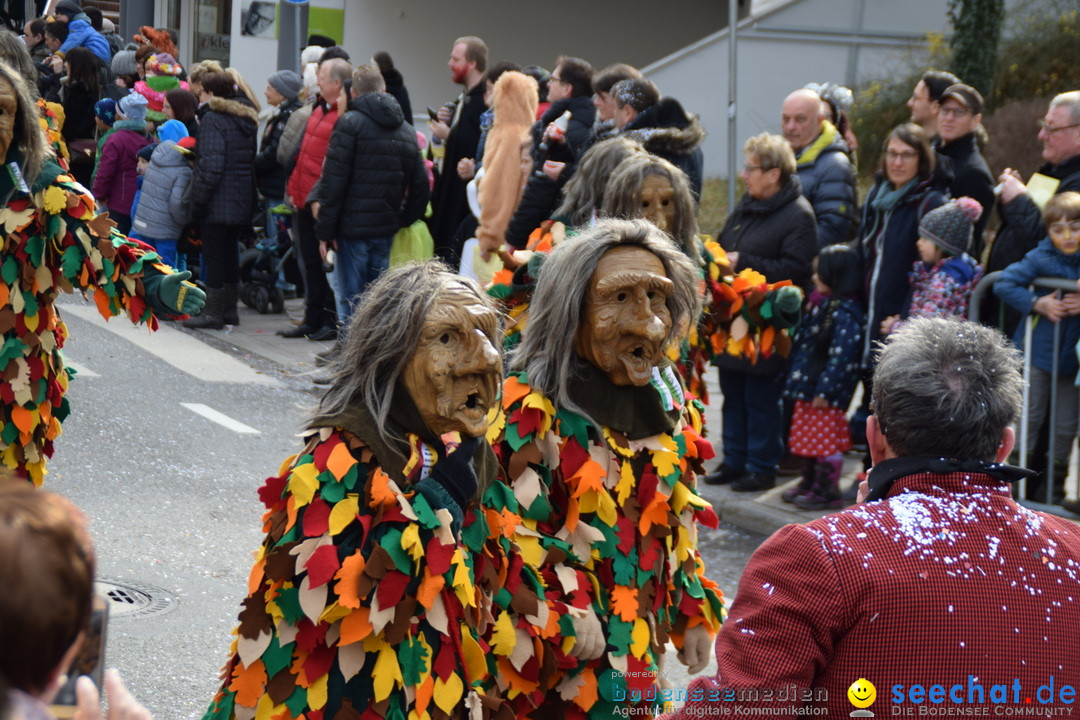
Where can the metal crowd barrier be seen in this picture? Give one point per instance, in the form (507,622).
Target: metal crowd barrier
(1059,286)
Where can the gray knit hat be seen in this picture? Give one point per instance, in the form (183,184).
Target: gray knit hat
(133,107)
(950,226)
(123,63)
(286,82)
(68,8)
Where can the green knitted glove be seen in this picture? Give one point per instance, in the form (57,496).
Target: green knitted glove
(787,306)
(180,296)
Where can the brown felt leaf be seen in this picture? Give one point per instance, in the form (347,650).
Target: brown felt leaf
(280,564)
(519,461)
(524,601)
(254,619)
(282,685)
(346,711)
(396,631)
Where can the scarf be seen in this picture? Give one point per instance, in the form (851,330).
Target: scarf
(888,199)
(885,473)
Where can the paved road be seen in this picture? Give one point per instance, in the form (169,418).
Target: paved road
(170,436)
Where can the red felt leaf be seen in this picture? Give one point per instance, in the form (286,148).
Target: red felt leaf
(527,420)
(445,665)
(704,449)
(391,588)
(707,517)
(322,565)
(572,456)
(316,518)
(136,307)
(689,606)
(309,635)
(270,492)
(624,528)
(650,553)
(438,556)
(323,450)
(393,514)
(318,663)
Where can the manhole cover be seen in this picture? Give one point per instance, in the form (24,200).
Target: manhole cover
(129,598)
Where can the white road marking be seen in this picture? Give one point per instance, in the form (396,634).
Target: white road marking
(221,418)
(80,370)
(182,351)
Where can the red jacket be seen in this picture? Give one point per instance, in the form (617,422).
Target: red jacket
(309,161)
(117,171)
(946,582)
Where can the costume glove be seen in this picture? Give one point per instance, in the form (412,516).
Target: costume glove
(180,296)
(697,643)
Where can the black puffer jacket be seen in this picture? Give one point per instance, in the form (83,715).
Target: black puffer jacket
(666,130)
(828,182)
(269,173)
(373,181)
(395,85)
(971,178)
(223,186)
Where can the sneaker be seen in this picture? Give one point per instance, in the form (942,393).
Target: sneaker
(724,475)
(754,482)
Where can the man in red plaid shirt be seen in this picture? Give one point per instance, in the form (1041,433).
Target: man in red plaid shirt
(938,588)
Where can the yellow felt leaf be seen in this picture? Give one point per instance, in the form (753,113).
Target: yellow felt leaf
(605,509)
(502,640)
(463,586)
(639,638)
(475,660)
(626,484)
(265,709)
(340,460)
(316,694)
(531,552)
(410,541)
(344,512)
(303,482)
(448,693)
(386,673)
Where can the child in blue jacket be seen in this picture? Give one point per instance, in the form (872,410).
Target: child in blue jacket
(1056,256)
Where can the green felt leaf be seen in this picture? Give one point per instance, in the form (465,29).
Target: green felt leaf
(63,411)
(412,655)
(573,424)
(52,226)
(223,710)
(503,597)
(276,657)
(11,349)
(475,535)
(424,514)
(611,686)
(297,702)
(391,543)
(624,567)
(566,626)
(288,599)
(350,478)
(499,497)
(619,634)
(35,248)
(31,304)
(42,390)
(9,434)
(332,492)
(10,270)
(513,439)
(540,508)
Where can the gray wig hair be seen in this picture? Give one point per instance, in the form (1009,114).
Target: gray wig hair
(622,199)
(946,388)
(557,309)
(382,337)
(585,190)
(13,51)
(27,134)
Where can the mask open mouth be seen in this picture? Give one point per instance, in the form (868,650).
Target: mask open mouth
(638,352)
(472,401)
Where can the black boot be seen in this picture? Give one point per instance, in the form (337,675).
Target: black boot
(210,317)
(229,313)
(805,484)
(825,494)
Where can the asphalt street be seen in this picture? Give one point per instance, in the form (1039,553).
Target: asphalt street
(170,436)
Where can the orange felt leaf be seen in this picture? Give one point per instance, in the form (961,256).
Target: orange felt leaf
(348,576)
(22,418)
(573,514)
(381,494)
(355,626)
(424,691)
(5,295)
(768,335)
(256,577)
(654,514)
(249,683)
(502,277)
(102,301)
(516,682)
(624,602)
(586,696)
(552,629)
(513,391)
(429,589)
(290,512)
(508,522)
(590,476)
(340,460)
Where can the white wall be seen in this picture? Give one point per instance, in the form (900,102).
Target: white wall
(790,55)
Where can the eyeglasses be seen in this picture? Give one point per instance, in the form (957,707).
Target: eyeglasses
(752,168)
(1043,125)
(1059,228)
(954,111)
(555,79)
(906,155)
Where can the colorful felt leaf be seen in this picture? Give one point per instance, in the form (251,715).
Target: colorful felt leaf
(624,602)
(343,513)
(386,674)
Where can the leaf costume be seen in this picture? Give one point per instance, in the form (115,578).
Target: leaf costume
(54,240)
(608,515)
(362,602)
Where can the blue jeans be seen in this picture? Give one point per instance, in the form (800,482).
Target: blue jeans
(358,263)
(752,420)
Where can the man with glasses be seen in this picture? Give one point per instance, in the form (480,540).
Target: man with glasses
(925,100)
(1022,226)
(959,115)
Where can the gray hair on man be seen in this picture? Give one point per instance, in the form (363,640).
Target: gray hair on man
(383,335)
(1071,100)
(340,69)
(557,309)
(946,388)
(366,79)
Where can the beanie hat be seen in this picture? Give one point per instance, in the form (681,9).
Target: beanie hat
(107,27)
(146,151)
(172,130)
(286,82)
(123,63)
(105,110)
(188,143)
(67,7)
(950,226)
(133,107)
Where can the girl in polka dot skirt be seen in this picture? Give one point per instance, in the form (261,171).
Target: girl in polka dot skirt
(824,372)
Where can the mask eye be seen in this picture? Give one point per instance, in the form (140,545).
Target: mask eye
(445,338)
(621,297)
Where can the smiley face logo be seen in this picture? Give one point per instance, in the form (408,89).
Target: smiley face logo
(862,693)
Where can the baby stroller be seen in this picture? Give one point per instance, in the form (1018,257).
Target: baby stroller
(262,277)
